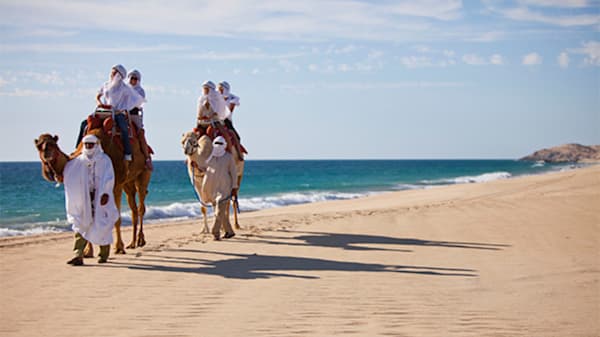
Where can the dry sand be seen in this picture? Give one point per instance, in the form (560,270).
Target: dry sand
(518,257)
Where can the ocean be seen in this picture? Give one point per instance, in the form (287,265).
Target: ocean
(30,205)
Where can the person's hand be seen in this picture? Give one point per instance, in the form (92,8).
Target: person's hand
(103,199)
(234,192)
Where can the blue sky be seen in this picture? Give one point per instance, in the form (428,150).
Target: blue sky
(317,78)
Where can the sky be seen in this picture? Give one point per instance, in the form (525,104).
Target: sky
(317,79)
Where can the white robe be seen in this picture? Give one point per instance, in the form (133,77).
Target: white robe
(121,96)
(217,105)
(220,178)
(97,229)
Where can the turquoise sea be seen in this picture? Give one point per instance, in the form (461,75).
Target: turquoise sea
(31,205)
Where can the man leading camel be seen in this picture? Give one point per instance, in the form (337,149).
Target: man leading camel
(219,185)
(91,210)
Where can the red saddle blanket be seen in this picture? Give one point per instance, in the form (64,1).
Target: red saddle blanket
(111,130)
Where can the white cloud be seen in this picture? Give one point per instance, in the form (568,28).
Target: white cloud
(525,14)
(591,52)
(69,48)
(563,60)
(18,92)
(417,61)
(474,59)
(532,59)
(497,59)
(557,3)
(266,19)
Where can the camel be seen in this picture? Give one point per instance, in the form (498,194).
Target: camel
(195,153)
(132,181)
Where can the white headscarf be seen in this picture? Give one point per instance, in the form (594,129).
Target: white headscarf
(219,147)
(90,154)
(138,86)
(118,94)
(216,101)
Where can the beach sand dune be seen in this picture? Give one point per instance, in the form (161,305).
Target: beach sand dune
(517,257)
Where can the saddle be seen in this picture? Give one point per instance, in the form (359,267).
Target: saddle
(102,118)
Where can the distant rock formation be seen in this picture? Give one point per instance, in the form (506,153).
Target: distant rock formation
(567,153)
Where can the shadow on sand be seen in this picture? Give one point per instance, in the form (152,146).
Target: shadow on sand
(253,266)
(352,241)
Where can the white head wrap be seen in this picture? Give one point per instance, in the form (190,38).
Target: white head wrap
(91,153)
(138,86)
(219,147)
(209,84)
(120,69)
(118,94)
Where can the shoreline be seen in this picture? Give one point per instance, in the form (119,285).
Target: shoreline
(442,183)
(8,241)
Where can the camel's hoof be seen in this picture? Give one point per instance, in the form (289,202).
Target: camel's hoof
(141,242)
(237,226)
(131,245)
(120,251)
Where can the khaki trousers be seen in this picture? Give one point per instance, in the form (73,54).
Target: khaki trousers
(80,243)
(222,219)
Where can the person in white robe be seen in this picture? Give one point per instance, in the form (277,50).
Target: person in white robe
(91,210)
(134,80)
(232,102)
(219,186)
(211,105)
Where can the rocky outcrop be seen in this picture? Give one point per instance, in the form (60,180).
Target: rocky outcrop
(568,153)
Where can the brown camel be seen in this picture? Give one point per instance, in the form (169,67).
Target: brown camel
(194,153)
(133,180)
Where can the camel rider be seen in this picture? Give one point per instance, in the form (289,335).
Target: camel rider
(120,98)
(211,105)
(232,101)
(219,186)
(91,210)
(134,79)
(213,110)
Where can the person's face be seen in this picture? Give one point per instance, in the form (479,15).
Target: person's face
(221,89)
(205,90)
(133,80)
(89,146)
(113,72)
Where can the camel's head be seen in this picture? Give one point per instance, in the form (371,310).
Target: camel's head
(47,146)
(189,142)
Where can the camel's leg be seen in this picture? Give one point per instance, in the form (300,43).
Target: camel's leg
(235,210)
(205,230)
(142,189)
(130,193)
(119,246)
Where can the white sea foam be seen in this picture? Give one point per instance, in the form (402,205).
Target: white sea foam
(469,179)
(5,232)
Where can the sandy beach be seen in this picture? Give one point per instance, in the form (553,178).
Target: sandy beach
(516,257)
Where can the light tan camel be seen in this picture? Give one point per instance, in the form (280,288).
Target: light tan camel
(195,153)
(132,181)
